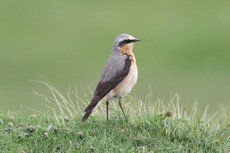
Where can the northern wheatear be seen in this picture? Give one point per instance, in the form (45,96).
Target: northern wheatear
(119,76)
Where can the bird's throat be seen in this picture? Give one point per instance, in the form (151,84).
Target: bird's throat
(126,49)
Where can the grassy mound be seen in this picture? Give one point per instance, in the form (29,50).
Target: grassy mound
(150,127)
(41,133)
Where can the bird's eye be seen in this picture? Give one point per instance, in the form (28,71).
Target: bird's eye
(126,41)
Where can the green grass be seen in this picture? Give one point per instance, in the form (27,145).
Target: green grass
(151,127)
(41,133)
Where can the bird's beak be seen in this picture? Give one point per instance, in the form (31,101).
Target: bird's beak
(136,40)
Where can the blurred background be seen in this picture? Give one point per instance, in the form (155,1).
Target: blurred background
(185,48)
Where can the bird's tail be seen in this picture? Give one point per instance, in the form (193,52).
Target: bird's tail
(90,107)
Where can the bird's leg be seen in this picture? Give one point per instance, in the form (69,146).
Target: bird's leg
(121,107)
(107,110)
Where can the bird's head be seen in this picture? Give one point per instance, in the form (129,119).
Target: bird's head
(124,43)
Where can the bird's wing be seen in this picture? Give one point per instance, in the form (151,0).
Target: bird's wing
(115,71)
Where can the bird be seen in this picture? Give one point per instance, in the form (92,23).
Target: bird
(119,76)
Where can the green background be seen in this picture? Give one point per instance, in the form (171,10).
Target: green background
(185,47)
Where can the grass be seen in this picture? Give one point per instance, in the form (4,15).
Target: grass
(41,133)
(151,127)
